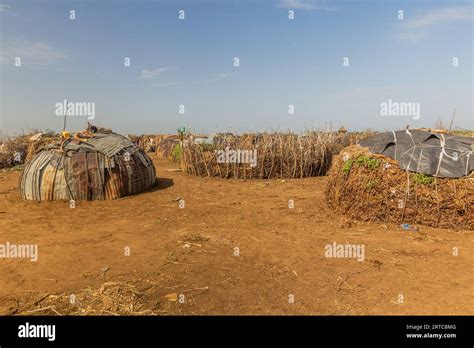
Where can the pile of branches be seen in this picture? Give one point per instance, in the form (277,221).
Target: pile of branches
(278,155)
(165,144)
(13,152)
(145,142)
(162,144)
(372,187)
(21,149)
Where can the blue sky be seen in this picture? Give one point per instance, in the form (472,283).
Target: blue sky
(190,62)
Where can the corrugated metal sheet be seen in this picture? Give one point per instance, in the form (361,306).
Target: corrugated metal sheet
(32,178)
(79,176)
(48,183)
(95,185)
(112,144)
(60,190)
(57,160)
(109,144)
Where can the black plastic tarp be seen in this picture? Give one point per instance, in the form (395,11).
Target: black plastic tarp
(435,154)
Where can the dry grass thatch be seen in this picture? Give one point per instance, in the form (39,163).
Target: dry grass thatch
(279,155)
(372,187)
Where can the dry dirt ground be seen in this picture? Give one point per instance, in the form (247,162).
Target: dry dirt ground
(185,261)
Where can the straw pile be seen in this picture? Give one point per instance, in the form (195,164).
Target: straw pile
(13,152)
(38,143)
(112,298)
(21,149)
(278,155)
(372,187)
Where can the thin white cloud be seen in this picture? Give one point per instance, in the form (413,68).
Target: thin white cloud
(411,36)
(305,5)
(418,28)
(4,7)
(146,74)
(216,78)
(164,84)
(30,52)
(222,76)
(448,14)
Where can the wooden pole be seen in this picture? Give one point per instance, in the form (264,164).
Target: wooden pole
(452,120)
(65,113)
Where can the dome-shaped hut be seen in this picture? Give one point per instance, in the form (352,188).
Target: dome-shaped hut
(406,177)
(87,166)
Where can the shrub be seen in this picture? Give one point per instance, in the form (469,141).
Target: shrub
(176,153)
(346,168)
(367,162)
(371,184)
(422,179)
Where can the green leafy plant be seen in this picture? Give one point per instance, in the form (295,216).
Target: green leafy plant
(422,179)
(371,184)
(181,133)
(176,153)
(367,162)
(347,167)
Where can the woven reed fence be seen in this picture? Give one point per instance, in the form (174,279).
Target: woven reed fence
(277,155)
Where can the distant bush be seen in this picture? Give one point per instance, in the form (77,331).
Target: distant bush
(176,153)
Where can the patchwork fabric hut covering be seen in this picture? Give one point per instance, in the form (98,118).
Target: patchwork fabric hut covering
(435,154)
(103,166)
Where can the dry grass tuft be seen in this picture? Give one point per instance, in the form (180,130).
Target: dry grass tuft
(112,298)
